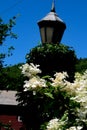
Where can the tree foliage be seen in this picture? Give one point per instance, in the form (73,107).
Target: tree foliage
(6,31)
(52,58)
(12,79)
(12,74)
(81,65)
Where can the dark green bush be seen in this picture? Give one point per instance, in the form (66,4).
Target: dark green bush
(53,58)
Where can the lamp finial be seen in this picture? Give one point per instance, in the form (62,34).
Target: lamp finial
(53,6)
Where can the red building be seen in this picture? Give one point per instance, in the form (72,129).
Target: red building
(10,112)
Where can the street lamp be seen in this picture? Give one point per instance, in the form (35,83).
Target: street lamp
(51,27)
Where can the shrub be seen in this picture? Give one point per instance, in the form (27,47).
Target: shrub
(53,58)
(53,103)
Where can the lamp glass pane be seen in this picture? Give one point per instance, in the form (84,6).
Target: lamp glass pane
(49,33)
(42,31)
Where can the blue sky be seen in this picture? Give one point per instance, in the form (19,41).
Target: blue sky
(72,12)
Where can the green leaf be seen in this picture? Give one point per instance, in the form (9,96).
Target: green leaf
(49,95)
(46,77)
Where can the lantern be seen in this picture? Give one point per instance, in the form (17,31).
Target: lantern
(51,27)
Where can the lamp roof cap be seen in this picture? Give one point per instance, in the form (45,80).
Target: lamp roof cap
(52,16)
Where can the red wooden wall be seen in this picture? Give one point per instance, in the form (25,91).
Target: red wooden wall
(13,120)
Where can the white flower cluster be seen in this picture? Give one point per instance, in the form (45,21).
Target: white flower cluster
(75,128)
(77,90)
(59,79)
(81,96)
(30,70)
(55,124)
(34,81)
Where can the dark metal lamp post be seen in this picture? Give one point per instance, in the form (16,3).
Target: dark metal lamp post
(51,27)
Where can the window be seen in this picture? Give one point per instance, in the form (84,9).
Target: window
(19,118)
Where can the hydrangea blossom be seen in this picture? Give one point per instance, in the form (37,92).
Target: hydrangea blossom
(30,70)
(34,83)
(75,128)
(77,91)
(80,84)
(59,79)
(55,124)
